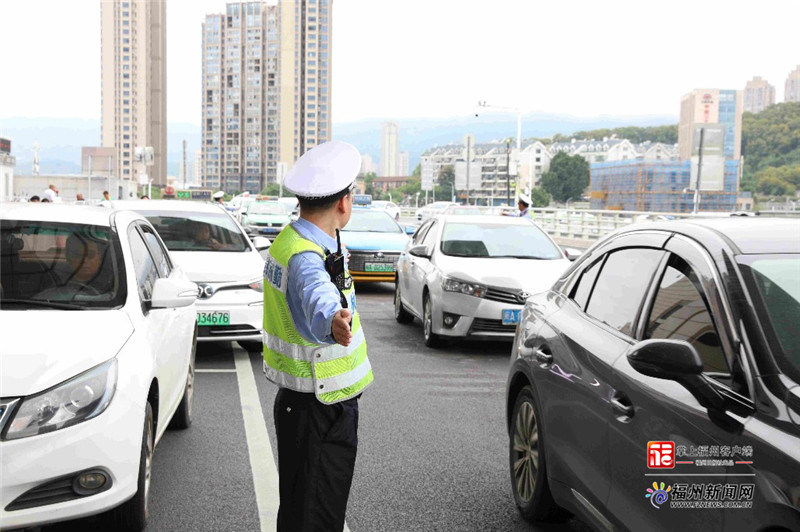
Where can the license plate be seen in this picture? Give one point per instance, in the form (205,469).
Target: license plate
(378,267)
(213,318)
(510,316)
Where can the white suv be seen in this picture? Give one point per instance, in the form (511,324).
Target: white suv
(216,253)
(98,332)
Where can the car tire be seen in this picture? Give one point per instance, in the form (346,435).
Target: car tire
(431,339)
(132,514)
(400,312)
(183,415)
(251,346)
(526,452)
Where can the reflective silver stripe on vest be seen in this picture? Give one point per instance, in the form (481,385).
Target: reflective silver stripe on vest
(308,353)
(298,384)
(344,380)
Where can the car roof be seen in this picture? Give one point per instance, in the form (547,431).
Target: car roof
(745,235)
(81,214)
(167,205)
(484,219)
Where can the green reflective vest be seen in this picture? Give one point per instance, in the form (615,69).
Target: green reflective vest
(333,372)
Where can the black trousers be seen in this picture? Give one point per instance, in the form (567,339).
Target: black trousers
(317,446)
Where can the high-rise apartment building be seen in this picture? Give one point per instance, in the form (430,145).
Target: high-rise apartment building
(405,158)
(758,95)
(266,90)
(134,84)
(704,108)
(792,89)
(390,153)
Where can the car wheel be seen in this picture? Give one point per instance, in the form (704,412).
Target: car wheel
(527,462)
(132,514)
(400,312)
(183,415)
(251,346)
(431,339)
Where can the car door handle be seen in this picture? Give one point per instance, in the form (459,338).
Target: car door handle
(542,357)
(618,403)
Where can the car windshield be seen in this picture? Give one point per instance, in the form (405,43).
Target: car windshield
(266,208)
(527,241)
(60,266)
(777,281)
(198,231)
(371,221)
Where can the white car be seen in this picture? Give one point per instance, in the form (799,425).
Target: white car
(469,276)
(390,207)
(433,209)
(98,341)
(216,253)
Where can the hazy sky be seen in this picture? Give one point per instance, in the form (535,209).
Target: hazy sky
(397,59)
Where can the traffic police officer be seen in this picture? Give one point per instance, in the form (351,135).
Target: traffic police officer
(218,196)
(314,347)
(524,203)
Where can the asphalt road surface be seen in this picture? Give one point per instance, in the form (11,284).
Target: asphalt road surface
(432,441)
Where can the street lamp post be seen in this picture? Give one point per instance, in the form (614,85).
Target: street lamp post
(508,171)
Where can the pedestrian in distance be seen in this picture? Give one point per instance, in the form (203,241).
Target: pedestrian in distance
(51,194)
(79,197)
(106,201)
(45,200)
(314,346)
(145,196)
(34,199)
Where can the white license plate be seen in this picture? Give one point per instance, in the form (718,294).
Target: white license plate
(510,316)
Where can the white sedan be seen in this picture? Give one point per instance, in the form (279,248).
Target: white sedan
(216,253)
(469,276)
(98,329)
(390,207)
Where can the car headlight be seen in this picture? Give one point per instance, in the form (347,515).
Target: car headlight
(257,285)
(82,397)
(455,285)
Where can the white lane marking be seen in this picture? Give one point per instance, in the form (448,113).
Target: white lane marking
(265,472)
(262,463)
(214,370)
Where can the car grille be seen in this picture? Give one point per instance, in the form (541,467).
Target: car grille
(268,224)
(210,331)
(493,326)
(505,295)
(358,259)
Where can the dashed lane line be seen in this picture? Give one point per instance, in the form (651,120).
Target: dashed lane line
(197,370)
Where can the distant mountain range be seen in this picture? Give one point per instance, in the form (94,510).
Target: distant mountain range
(60,139)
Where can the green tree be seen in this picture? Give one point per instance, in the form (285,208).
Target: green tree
(272,189)
(445,183)
(567,178)
(540,197)
(409,190)
(418,170)
(773,186)
(770,138)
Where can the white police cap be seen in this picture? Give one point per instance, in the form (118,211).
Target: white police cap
(218,195)
(324,170)
(524,198)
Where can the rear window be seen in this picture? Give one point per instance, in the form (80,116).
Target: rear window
(60,266)
(193,231)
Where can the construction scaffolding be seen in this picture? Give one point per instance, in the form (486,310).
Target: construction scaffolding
(657,186)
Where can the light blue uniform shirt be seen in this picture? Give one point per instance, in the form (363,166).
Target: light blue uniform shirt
(311,296)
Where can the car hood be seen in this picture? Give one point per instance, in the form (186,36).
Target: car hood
(219,266)
(531,275)
(42,348)
(356,240)
(267,218)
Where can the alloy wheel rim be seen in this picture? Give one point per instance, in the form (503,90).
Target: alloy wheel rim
(526,451)
(190,386)
(428,319)
(148,463)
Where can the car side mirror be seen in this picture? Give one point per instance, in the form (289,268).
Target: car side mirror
(675,360)
(173,293)
(261,243)
(420,251)
(572,253)
(410,229)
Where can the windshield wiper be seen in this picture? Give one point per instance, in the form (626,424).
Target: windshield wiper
(41,303)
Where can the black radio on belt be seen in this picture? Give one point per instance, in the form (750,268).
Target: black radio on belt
(334,265)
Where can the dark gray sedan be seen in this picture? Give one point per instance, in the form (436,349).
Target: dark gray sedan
(657,384)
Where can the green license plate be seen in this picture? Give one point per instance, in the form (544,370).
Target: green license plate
(213,318)
(378,267)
